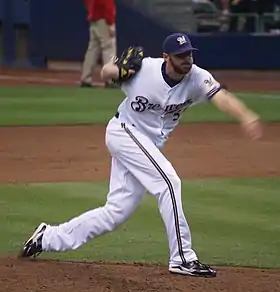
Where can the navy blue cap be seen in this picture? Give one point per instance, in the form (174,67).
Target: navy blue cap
(177,43)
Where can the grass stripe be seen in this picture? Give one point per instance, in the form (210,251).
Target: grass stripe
(233,221)
(44,105)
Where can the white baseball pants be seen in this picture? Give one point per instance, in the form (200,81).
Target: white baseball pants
(137,166)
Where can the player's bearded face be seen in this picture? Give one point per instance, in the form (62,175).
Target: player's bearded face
(181,63)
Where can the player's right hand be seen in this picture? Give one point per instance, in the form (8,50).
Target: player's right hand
(253,129)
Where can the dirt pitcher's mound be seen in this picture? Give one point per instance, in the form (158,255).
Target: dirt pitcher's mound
(40,275)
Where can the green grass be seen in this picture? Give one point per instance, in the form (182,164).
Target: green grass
(56,105)
(30,105)
(233,221)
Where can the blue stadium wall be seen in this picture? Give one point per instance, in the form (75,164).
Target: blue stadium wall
(58,30)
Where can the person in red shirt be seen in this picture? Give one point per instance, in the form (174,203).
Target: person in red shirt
(101,15)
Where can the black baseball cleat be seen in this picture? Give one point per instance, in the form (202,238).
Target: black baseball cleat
(86,84)
(33,246)
(194,268)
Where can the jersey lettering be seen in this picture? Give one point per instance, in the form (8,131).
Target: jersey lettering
(156,109)
(142,104)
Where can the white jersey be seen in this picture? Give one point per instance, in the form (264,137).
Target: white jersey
(154,107)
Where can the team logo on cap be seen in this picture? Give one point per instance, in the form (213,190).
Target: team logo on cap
(181,40)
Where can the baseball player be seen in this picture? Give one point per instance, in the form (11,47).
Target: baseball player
(158,91)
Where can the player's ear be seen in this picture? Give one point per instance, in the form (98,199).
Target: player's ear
(165,56)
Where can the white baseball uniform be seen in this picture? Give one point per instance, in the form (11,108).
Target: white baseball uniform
(149,113)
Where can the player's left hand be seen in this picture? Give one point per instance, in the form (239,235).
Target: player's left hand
(130,62)
(253,129)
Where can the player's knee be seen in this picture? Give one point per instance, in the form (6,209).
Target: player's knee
(170,183)
(171,176)
(115,217)
(175,181)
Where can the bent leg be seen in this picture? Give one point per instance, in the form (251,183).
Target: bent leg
(124,196)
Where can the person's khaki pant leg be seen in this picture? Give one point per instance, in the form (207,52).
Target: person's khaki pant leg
(107,42)
(92,53)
